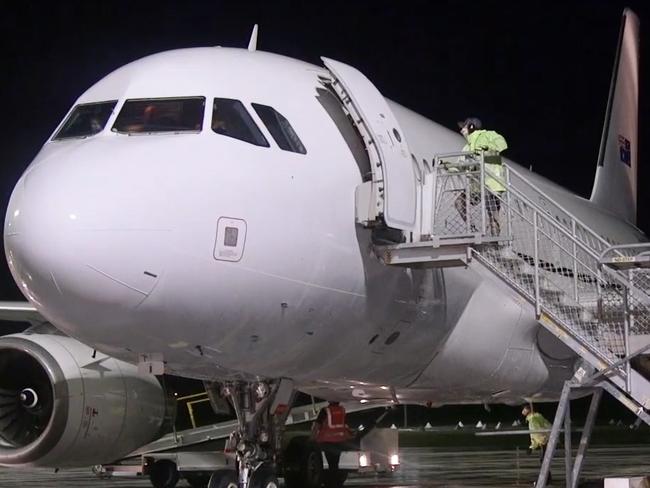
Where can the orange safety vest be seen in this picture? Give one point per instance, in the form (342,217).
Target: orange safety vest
(333,429)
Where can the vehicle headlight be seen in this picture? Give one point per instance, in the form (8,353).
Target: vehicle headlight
(363,461)
(394,459)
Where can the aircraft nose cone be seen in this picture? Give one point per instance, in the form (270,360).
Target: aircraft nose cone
(74,248)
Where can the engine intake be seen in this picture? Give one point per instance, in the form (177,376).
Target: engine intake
(62,407)
(26,399)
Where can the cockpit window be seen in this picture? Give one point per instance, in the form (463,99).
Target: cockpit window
(280,129)
(161,115)
(86,120)
(230,118)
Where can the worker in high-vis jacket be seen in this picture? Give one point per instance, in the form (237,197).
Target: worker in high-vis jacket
(331,433)
(490,143)
(539,429)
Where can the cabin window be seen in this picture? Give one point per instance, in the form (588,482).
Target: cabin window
(280,129)
(86,120)
(230,118)
(146,116)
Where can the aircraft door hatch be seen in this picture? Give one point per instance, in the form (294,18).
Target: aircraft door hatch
(392,191)
(231,238)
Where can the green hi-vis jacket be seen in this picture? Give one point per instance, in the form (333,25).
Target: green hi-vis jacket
(492,142)
(537,422)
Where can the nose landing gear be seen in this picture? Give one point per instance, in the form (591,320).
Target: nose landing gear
(261,408)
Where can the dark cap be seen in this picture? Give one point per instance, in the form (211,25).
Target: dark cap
(470,121)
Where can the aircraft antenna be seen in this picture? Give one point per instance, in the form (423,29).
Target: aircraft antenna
(252,44)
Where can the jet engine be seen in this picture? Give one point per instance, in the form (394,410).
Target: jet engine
(63,405)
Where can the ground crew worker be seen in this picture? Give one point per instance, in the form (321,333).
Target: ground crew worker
(491,144)
(331,433)
(538,440)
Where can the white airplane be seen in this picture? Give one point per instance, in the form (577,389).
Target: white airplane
(196,212)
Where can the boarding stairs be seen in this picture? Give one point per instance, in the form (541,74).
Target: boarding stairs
(592,295)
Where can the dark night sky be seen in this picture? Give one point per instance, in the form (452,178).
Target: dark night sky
(538,72)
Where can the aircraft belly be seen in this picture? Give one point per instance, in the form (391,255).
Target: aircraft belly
(491,352)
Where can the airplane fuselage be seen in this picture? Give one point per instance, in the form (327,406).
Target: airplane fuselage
(116,239)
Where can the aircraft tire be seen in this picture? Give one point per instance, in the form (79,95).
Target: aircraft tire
(164,474)
(264,477)
(303,464)
(223,479)
(335,480)
(197,480)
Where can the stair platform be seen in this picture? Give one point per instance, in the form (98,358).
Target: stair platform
(438,252)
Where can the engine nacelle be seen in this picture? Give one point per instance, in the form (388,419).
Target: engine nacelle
(62,407)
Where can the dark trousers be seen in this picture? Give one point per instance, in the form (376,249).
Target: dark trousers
(332,453)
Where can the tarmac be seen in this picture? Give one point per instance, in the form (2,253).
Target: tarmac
(421,468)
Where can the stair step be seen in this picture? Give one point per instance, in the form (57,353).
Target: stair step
(552,294)
(609,316)
(574,311)
(506,263)
(524,276)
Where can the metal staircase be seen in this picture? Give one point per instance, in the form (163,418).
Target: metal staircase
(593,296)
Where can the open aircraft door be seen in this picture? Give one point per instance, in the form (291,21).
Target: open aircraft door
(392,191)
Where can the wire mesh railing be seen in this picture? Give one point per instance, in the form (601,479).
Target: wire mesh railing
(563,218)
(631,261)
(462,205)
(550,256)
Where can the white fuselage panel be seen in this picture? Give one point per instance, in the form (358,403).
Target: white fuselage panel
(116,240)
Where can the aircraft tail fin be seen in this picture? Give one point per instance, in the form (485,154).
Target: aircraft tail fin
(615,185)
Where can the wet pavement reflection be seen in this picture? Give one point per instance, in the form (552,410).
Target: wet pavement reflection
(421,468)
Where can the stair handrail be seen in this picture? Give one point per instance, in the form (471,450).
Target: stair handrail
(627,274)
(636,245)
(557,244)
(580,247)
(583,246)
(621,278)
(542,309)
(595,271)
(560,207)
(468,162)
(540,306)
(508,184)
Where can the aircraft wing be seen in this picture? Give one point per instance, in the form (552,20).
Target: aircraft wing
(18,312)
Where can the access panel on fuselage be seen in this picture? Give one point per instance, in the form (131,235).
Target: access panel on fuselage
(396,171)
